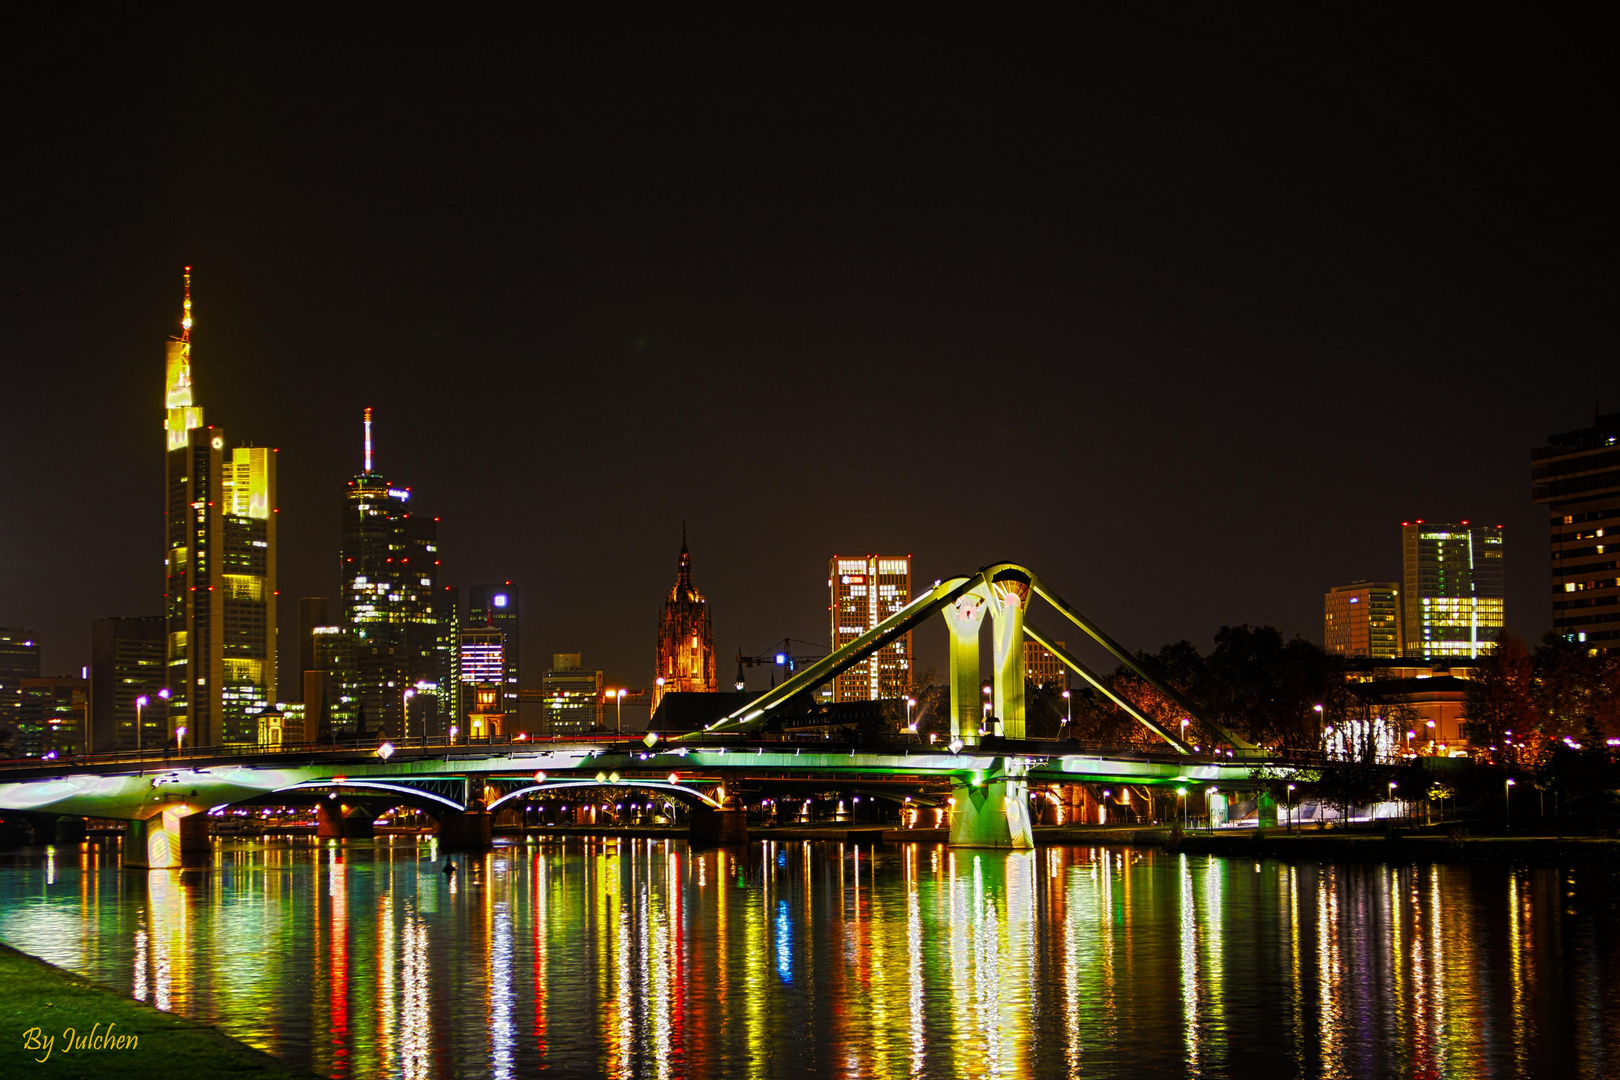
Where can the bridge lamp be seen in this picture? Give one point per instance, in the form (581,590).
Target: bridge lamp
(613,778)
(179,738)
(385,751)
(140,703)
(454,731)
(1068,701)
(539,777)
(601,778)
(651,739)
(956,745)
(674,778)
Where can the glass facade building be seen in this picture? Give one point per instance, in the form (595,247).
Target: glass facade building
(865,591)
(1577,477)
(1452,588)
(1363,618)
(572,696)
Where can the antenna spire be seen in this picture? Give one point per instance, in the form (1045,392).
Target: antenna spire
(368,441)
(185,317)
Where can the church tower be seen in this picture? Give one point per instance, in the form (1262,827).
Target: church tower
(685,641)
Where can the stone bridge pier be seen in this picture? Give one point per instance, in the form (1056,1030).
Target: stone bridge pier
(175,837)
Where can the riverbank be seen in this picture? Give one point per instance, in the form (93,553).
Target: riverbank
(144,1043)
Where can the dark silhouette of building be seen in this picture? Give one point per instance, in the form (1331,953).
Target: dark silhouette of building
(1577,477)
(685,661)
(19,660)
(127,663)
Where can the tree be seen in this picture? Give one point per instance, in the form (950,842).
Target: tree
(1501,699)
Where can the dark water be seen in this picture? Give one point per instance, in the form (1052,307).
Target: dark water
(642,958)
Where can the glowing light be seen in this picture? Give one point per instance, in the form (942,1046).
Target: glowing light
(385,751)
(500,600)
(539,777)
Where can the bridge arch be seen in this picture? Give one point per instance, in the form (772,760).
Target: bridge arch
(688,794)
(413,796)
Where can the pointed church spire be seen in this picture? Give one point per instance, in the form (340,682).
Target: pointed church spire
(683,577)
(368,440)
(185,315)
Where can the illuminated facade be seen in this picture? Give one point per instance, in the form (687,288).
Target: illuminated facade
(1042,666)
(865,591)
(685,661)
(220,567)
(495,608)
(1452,588)
(51,717)
(572,695)
(1577,477)
(1363,618)
(390,562)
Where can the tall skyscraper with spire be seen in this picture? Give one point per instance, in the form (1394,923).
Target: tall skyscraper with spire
(685,640)
(220,562)
(390,568)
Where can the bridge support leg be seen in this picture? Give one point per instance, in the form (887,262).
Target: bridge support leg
(174,838)
(994,814)
(710,826)
(70,830)
(1266,810)
(964,619)
(334,821)
(464,830)
(1011,594)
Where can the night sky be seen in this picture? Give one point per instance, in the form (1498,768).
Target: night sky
(1186,308)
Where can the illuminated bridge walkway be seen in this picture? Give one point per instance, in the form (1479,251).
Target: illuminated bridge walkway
(985,774)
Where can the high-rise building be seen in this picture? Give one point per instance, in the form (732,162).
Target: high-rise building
(1363,618)
(50,717)
(390,572)
(865,591)
(220,559)
(128,662)
(685,661)
(573,696)
(1452,588)
(19,660)
(313,611)
(495,607)
(1042,666)
(1577,477)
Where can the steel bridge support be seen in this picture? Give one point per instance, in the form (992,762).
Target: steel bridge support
(964,617)
(174,838)
(1010,591)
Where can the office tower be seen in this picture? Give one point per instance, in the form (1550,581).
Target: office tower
(50,717)
(447,653)
(865,591)
(685,661)
(1043,668)
(220,559)
(495,607)
(1363,618)
(483,676)
(19,660)
(127,662)
(390,571)
(1577,477)
(313,611)
(1452,588)
(573,696)
(331,697)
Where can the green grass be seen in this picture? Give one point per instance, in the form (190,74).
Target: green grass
(34,994)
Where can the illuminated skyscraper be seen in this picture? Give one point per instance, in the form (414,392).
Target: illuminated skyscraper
(865,591)
(495,607)
(1363,618)
(685,662)
(1453,586)
(220,560)
(390,566)
(1577,477)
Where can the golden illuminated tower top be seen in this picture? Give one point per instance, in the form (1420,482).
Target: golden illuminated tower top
(183,415)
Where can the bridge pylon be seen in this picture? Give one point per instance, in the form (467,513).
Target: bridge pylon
(992,811)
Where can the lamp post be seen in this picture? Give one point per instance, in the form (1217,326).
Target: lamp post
(140,703)
(1181,794)
(618,719)
(1184,720)
(1507,793)
(1290,807)
(179,739)
(405,720)
(1068,715)
(1392,791)
(911,725)
(1431,736)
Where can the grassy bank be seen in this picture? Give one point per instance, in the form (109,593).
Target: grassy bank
(36,995)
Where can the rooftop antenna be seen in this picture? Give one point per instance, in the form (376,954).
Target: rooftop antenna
(185,317)
(368,441)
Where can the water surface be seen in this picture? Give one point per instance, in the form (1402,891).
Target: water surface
(642,958)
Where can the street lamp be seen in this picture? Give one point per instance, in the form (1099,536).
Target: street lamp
(405,722)
(1068,702)
(1507,793)
(1181,793)
(1290,807)
(911,725)
(179,739)
(618,722)
(140,703)
(454,730)
(1392,791)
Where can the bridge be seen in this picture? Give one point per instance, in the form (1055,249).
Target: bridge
(986,770)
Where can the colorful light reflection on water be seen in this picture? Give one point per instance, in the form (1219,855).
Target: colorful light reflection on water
(642,958)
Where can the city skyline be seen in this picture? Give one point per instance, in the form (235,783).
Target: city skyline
(570,386)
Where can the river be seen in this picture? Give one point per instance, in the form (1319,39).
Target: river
(642,958)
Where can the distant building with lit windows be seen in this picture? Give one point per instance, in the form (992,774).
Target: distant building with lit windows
(19,660)
(496,607)
(865,591)
(685,660)
(220,567)
(572,695)
(1577,477)
(1042,666)
(390,566)
(1452,588)
(1363,618)
(127,663)
(51,717)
